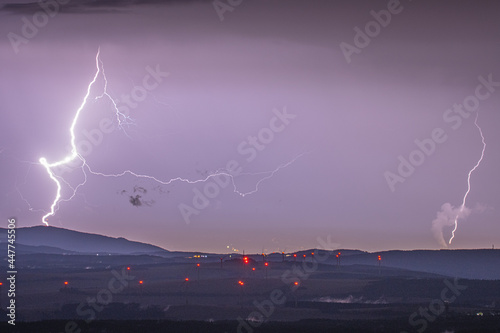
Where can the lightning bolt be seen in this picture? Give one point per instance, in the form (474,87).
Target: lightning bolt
(468,180)
(220,172)
(122,119)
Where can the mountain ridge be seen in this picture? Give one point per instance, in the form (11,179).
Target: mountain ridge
(77,241)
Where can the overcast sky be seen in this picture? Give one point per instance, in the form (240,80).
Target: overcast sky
(332,111)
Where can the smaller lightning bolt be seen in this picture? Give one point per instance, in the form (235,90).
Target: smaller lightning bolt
(270,174)
(468,180)
(221,172)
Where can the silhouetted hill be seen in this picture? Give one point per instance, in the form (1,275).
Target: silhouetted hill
(75,241)
(470,264)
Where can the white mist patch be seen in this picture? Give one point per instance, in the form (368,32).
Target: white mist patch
(349,300)
(446,218)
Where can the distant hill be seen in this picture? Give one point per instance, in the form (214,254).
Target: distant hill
(74,241)
(470,264)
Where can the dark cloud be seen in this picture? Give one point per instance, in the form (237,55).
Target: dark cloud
(140,189)
(138,200)
(91,6)
(135,200)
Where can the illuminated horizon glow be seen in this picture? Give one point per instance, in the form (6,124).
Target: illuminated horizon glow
(119,116)
(468,180)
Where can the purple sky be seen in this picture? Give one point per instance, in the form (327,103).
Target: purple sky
(352,120)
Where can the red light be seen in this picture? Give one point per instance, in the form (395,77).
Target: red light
(241,283)
(140,282)
(1,283)
(337,255)
(253,268)
(295,255)
(296,283)
(266,264)
(197,265)
(187,279)
(65,283)
(304,256)
(312,253)
(128,268)
(245,259)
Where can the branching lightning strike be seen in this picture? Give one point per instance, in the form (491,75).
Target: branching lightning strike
(74,151)
(121,119)
(220,172)
(468,180)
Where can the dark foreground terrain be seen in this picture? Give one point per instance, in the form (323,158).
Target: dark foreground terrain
(147,289)
(457,325)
